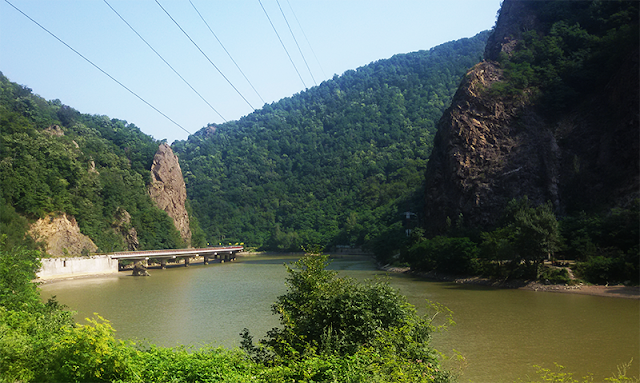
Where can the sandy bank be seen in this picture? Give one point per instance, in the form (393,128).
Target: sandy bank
(617,291)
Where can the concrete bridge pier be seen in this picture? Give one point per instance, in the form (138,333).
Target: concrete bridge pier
(186,261)
(205,260)
(163,264)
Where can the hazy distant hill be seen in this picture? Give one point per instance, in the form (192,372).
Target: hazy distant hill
(336,164)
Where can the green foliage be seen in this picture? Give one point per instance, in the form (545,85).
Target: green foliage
(528,236)
(55,159)
(556,276)
(14,228)
(198,237)
(443,254)
(516,249)
(90,353)
(605,246)
(386,244)
(357,333)
(574,50)
(323,315)
(336,164)
(18,266)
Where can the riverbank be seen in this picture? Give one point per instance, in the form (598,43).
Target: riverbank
(616,291)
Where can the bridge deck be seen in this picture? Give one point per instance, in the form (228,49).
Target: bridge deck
(174,253)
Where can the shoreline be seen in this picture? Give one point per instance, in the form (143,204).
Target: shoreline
(615,291)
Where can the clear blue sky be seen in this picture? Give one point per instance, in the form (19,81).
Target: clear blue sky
(340,35)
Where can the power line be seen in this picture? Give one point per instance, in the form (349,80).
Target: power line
(97,67)
(205,55)
(285,48)
(165,61)
(296,41)
(305,37)
(225,49)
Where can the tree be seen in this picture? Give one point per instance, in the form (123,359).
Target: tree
(18,266)
(529,235)
(443,254)
(323,314)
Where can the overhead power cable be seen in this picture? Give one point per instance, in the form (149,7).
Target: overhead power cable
(285,48)
(205,55)
(296,41)
(225,49)
(307,39)
(165,61)
(98,68)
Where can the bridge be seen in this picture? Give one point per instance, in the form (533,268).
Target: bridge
(223,253)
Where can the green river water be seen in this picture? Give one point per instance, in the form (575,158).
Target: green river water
(501,333)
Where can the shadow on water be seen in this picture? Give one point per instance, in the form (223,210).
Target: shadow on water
(288,258)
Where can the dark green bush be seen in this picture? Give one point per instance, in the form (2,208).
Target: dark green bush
(619,268)
(324,315)
(443,254)
(554,276)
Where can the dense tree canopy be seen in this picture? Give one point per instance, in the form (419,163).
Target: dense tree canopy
(335,164)
(574,51)
(55,159)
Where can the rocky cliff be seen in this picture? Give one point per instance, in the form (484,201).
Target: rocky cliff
(491,147)
(61,236)
(168,189)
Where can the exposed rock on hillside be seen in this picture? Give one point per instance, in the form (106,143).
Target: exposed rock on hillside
(168,190)
(486,152)
(492,148)
(62,236)
(123,226)
(513,21)
(54,130)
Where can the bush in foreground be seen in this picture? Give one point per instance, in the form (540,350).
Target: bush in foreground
(333,330)
(368,328)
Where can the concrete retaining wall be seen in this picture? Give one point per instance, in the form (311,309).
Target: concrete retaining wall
(76,266)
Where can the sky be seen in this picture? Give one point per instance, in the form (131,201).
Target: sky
(321,38)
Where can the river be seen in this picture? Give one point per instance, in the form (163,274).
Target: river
(501,333)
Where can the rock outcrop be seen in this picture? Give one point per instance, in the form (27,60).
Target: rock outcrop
(139,270)
(488,151)
(62,236)
(122,225)
(168,189)
(490,148)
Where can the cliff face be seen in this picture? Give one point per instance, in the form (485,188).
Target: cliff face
(487,152)
(62,236)
(168,189)
(490,148)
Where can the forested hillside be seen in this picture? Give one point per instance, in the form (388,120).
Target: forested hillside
(337,164)
(537,157)
(53,159)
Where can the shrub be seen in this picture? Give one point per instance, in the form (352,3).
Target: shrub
(447,255)
(325,318)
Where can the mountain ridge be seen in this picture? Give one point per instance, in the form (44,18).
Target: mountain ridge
(330,165)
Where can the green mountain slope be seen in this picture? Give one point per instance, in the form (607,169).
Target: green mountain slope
(54,159)
(336,164)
